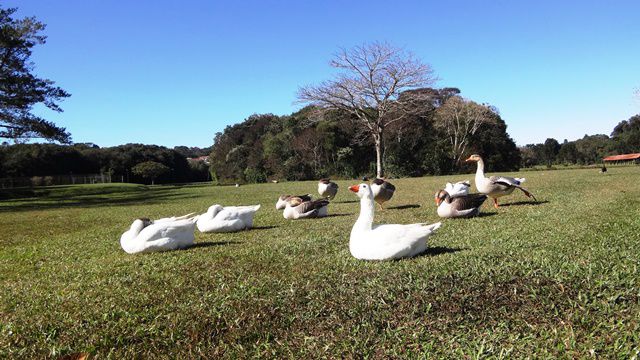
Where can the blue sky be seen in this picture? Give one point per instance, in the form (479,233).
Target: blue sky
(175,73)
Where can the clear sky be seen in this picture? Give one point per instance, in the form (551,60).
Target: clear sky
(176,72)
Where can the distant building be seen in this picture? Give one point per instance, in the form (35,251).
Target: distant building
(204,159)
(635,158)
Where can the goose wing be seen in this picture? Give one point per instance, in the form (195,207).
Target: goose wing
(466,202)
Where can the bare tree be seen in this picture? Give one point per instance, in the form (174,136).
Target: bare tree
(368,86)
(460,119)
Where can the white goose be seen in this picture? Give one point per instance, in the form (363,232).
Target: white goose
(165,234)
(458,189)
(227,219)
(384,242)
(496,186)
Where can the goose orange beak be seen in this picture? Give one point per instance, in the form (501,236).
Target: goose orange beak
(437,201)
(354,188)
(469,159)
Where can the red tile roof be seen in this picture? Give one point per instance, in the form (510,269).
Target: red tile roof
(622,157)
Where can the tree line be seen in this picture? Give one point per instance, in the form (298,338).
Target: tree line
(301,147)
(121,163)
(591,149)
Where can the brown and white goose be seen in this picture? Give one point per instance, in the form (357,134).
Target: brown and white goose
(496,186)
(327,189)
(296,208)
(382,191)
(283,199)
(459,206)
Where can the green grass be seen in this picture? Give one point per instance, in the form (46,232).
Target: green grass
(554,279)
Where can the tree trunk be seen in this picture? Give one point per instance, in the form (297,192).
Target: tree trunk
(377,139)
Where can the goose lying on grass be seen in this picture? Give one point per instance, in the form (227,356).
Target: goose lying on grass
(296,208)
(458,189)
(165,234)
(327,189)
(283,199)
(459,206)
(227,219)
(496,186)
(384,242)
(382,191)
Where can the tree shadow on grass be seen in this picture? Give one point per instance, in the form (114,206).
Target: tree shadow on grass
(439,250)
(211,243)
(402,207)
(518,203)
(99,196)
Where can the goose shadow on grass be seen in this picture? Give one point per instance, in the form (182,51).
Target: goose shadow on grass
(401,207)
(439,250)
(338,215)
(212,243)
(263,227)
(518,203)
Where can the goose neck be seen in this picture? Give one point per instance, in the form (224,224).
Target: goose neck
(365,220)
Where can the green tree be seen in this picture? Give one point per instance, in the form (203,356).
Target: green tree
(150,170)
(20,89)
(550,151)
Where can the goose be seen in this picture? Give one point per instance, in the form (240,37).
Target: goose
(327,189)
(467,205)
(458,189)
(165,234)
(496,186)
(384,242)
(227,219)
(382,191)
(296,208)
(283,199)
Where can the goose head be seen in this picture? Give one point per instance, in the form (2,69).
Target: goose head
(474,157)
(214,210)
(294,201)
(139,224)
(441,196)
(363,191)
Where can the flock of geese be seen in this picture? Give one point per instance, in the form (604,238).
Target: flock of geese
(367,241)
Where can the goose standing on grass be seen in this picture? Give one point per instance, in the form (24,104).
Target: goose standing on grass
(296,208)
(327,189)
(458,189)
(496,186)
(283,199)
(227,219)
(165,234)
(382,191)
(384,242)
(467,205)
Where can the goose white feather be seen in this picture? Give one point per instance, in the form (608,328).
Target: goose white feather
(458,189)
(227,219)
(384,242)
(165,234)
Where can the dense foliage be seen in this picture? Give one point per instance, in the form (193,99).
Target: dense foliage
(591,149)
(26,160)
(301,147)
(20,89)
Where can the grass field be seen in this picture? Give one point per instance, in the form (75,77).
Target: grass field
(555,279)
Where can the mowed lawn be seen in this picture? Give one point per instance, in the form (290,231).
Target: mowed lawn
(555,279)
